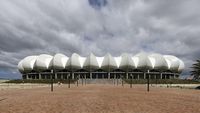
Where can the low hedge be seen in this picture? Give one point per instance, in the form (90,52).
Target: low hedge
(45,81)
(162,81)
(134,81)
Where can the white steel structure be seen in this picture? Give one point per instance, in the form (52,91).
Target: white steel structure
(93,67)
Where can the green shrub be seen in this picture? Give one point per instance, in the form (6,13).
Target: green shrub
(45,81)
(161,81)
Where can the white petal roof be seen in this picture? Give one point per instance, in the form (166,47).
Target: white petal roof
(74,62)
(127,62)
(118,60)
(157,61)
(109,63)
(99,61)
(29,63)
(141,60)
(44,62)
(91,63)
(60,61)
(172,62)
(82,61)
(20,67)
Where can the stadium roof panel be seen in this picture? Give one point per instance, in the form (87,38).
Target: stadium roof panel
(141,61)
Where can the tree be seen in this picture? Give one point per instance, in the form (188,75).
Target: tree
(196,70)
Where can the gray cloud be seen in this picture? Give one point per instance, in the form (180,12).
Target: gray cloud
(68,26)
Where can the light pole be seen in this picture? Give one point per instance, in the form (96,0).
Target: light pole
(148,81)
(85,78)
(68,82)
(114,77)
(131,81)
(122,81)
(117,80)
(77,80)
(52,73)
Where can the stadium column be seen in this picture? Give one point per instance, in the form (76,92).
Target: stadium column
(161,75)
(138,76)
(90,75)
(27,76)
(126,75)
(40,77)
(68,75)
(108,75)
(144,75)
(72,75)
(55,76)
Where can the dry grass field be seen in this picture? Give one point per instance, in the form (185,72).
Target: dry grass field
(100,99)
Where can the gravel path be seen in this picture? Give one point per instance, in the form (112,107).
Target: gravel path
(100,99)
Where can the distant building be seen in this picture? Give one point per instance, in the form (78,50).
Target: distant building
(108,67)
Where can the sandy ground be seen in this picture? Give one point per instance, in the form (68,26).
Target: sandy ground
(100,99)
(1,81)
(185,86)
(10,86)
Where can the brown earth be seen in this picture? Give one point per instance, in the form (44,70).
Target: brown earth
(100,99)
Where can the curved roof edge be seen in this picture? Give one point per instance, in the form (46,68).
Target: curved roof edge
(141,61)
(29,63)
(60,61)
(44,62)
(20,67)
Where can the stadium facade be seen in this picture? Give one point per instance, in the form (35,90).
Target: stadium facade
(126,66)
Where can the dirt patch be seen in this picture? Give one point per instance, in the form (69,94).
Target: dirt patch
(100,99)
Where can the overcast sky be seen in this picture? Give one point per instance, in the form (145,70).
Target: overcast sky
(32,27)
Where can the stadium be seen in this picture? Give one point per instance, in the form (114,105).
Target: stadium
(126,66)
